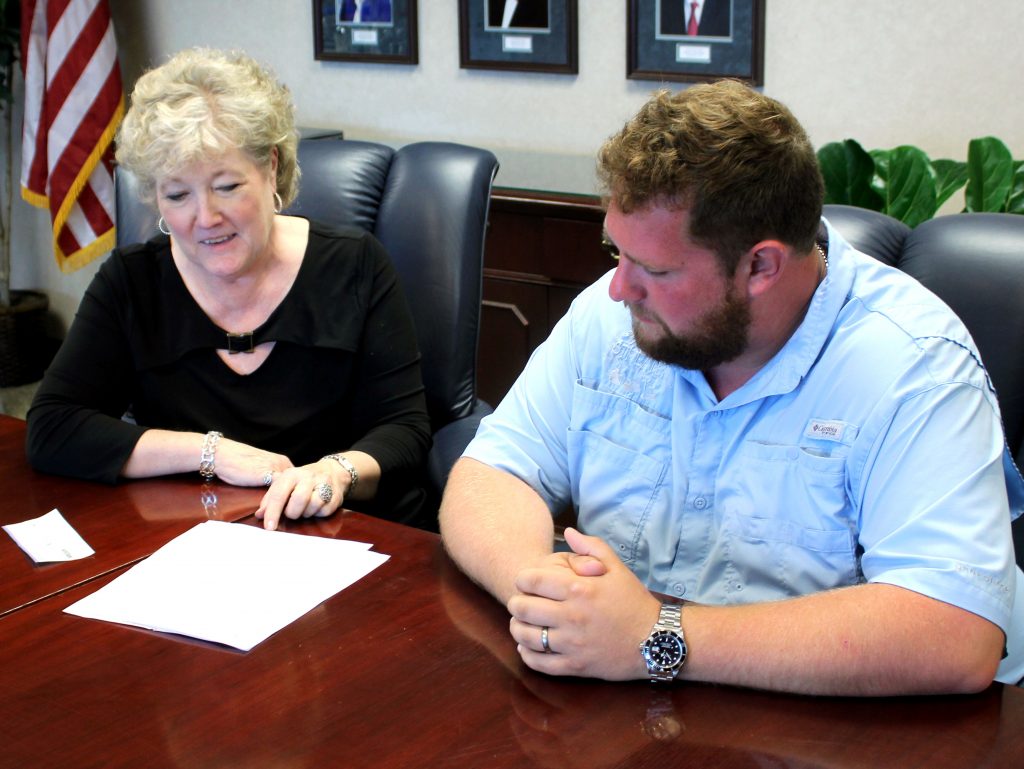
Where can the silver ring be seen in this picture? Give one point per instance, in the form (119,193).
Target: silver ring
(268,478)
(544,639)
(325,492)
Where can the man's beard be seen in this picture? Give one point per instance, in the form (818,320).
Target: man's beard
(720,336)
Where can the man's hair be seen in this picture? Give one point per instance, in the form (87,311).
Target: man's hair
(203,103)
(738,160)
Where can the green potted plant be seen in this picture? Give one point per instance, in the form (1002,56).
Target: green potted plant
(905,183)
(23,342)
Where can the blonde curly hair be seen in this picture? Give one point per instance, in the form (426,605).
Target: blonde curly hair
(202,103)
(737,159)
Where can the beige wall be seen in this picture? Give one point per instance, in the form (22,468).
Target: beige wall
(934,73)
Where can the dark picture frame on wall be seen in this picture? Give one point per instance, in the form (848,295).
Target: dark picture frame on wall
(382,31)
(523,35)
(726,39)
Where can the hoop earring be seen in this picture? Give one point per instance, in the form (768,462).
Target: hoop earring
(162,226)
(278,203)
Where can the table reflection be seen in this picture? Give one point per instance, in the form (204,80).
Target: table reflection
(183,499)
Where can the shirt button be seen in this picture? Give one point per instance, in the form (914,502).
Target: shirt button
(622,548)
(700,503)
(679,589)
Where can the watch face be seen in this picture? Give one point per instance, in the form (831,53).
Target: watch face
(665,649)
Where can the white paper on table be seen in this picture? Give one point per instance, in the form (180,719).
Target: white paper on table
(49,538)
(230,583)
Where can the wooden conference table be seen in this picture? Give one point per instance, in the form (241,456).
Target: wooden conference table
(412,666)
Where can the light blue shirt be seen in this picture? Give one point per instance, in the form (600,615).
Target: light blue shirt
(869,449)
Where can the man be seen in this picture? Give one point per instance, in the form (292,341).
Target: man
(704,18)
(751,416)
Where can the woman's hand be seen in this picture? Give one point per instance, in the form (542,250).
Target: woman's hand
(243,465)
(316,489)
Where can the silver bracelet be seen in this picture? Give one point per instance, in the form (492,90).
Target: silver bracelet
(343,461)
(206,467)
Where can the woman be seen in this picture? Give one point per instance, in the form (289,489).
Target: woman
(248,345)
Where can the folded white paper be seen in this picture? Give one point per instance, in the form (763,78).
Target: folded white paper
(49,538)
(230,583)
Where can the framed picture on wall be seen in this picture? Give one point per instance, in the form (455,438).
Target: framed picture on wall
(694,40)
(526,35)
(382,31)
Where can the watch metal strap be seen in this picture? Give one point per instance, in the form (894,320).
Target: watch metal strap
(671,617)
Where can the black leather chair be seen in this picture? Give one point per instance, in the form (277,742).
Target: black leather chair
(974,263)
(427,203)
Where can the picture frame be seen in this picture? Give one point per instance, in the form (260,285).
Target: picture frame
(729,41)
(527,35)
(384,31)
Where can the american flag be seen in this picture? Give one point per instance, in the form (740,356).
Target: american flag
(73,105)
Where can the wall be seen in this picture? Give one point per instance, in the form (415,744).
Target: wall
(928,72)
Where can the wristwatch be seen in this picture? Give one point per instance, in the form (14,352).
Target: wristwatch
(664,651)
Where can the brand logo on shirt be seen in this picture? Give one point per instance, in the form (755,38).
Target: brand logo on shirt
(826,430)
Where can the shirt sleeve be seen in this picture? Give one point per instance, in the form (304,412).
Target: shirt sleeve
(934,512)
(74,423)
(526,435)
(390,411)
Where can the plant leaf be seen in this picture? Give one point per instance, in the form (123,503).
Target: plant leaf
(1015,202)
(910,191)
(989,175)
(950,175)
(847,170)
(881,179)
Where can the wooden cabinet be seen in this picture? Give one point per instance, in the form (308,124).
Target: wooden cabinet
(541,250)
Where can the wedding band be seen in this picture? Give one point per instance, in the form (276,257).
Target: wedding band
(268,478)
(544,639)
(325,492)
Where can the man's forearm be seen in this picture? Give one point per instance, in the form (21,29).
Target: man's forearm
(493,525)
(870,639)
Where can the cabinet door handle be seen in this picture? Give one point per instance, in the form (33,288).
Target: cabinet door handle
(514,309)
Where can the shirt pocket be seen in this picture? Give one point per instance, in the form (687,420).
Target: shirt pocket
(786,518)
(618,466)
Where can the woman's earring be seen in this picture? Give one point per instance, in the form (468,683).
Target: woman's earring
(278,203)
(162,226)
